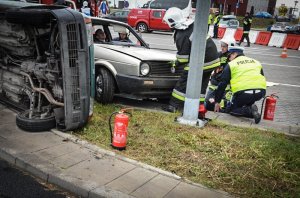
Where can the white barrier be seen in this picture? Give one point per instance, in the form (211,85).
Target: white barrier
(253,35)
(229,34)
(277,39)
(211,31)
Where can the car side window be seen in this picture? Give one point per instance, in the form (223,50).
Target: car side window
(157,14)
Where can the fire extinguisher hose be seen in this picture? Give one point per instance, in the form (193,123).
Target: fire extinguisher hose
(110,128)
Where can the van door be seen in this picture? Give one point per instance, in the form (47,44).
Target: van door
(156,20)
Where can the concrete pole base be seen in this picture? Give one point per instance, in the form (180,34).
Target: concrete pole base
(198,123)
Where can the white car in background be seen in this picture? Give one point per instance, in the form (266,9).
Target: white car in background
(229,21)
(130,68)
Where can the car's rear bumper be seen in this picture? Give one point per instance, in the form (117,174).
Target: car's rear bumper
(146,87)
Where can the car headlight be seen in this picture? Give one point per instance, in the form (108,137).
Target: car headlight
(145,69)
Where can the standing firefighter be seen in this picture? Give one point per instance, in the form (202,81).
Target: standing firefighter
(247,21)
(216,24)
(183,38)
(247,82)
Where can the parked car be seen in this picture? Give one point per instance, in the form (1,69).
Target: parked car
(294,29)
(279,27)
(44,65)
(129,67)
(145,20)
(120,15)
(229,21)
(263,15)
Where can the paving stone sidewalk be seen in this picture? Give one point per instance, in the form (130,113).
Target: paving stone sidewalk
(87,170)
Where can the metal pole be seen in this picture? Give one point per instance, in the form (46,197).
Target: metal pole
(191,105)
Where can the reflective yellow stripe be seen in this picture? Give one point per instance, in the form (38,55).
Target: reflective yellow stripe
(183,60)
(182,98)
(179,97)
(187,68)
(217,64)
(213,87)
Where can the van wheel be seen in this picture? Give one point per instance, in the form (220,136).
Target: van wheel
(142,27)
(105,86)
(35,123)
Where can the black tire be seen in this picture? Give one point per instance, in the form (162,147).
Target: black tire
(35,124)
(105,86)
(142,27)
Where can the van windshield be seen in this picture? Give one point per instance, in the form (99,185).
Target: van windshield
(166,4)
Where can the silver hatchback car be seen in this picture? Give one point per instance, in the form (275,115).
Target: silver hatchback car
(125,64)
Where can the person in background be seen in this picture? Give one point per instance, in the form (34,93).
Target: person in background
(210,18)
(86,9)
(123,36)
(103,8)
(183,39)
(216,24)
(100,36)
(217,73)
(248,84)
(247,21)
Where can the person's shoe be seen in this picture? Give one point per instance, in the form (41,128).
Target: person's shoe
(247,45)
(255,113)
(169,108)
(239,44)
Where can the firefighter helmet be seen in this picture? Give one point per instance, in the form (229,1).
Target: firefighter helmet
(227,41)
(174,17)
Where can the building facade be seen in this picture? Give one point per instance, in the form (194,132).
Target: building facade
(240,7)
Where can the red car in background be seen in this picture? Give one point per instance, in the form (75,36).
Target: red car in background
(150,16)
(145,20)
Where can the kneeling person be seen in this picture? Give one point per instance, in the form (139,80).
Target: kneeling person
(247,82)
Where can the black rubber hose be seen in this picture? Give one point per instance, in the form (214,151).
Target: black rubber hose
(110,128)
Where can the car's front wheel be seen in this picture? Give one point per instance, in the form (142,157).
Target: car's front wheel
(105,86)
(142,27)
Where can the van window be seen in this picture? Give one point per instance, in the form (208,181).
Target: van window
(157,14)
(166,4)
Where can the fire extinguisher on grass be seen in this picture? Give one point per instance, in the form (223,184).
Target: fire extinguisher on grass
(119,134)
(270,106)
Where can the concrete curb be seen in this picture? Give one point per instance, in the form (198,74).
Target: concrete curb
(61,180)
(112,154)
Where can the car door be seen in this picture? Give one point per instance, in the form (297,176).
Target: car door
(156,20)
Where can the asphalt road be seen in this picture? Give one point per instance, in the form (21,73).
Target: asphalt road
(15,183)
(283,74)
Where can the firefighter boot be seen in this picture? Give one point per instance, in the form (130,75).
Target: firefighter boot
(169,108)
(255,113)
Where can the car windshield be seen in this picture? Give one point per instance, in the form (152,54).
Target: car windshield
(117,34)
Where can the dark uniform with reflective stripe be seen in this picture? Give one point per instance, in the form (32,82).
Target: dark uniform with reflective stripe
(248,84)
(215,80)
(183,42)
(246,29)
(216,25)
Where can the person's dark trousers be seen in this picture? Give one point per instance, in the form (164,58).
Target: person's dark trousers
(181,87)
(245,36)
(242,101)
(216,29)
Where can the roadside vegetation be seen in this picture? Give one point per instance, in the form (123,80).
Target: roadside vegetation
(244,162)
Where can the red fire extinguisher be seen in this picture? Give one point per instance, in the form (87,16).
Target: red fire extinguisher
(269,106)
(202,111)
(119,135)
